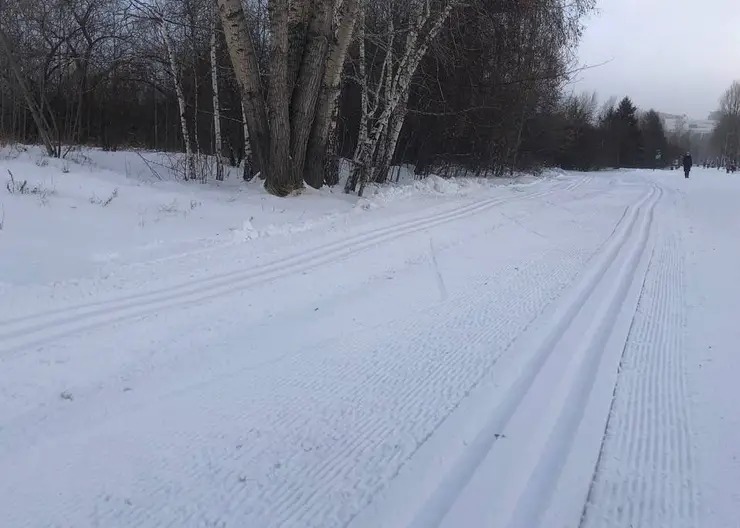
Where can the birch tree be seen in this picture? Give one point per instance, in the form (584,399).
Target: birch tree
(176,79)
(155,13)
(477,97)
(248,166)
(728,128)
(217,140)
(424,26)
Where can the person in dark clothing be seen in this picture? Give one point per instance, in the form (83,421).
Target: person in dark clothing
(687,164)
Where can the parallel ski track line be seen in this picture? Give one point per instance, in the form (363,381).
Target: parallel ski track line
(63,322)
(542,490)
(368,438)
(646,476)
(542,483)
(365,439)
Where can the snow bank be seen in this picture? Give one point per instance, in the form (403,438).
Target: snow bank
(94,211)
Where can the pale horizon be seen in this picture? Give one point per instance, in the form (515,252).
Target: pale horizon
(674,56)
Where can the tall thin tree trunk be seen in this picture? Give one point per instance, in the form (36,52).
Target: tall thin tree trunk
(156,118)
(391,140)
(324,127)
(196,101)
(513,158)
(308,86)
(278,180)
(246,69)
(362,138)
(218,144)
(248,167)
(190,160)
(329,154)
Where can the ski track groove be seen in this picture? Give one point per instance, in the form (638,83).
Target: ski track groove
(414,397)
(59,323)
(438,376)
(635,224)
(410,397)
(595,354)
(646,476)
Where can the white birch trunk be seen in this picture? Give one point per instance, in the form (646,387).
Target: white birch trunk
(362,139)
(401,83)
(246,68)
(217,147)
(391,140)
(365,97)
(248,167)
(189,160)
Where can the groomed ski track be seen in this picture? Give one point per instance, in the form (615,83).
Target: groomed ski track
(467,374)
(532,462)
(647,475)
(42,328)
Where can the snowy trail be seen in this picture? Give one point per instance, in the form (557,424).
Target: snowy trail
(647,475)
(272,435)
(712,333)
(41,328)
(572,353)
(515,363)
(573,392)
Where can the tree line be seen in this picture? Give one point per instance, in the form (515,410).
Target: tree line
(615,135)
(725,138)
(286,88)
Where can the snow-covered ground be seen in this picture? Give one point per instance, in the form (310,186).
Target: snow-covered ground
(555,352)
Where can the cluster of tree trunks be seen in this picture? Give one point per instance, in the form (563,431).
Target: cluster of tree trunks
(287,87)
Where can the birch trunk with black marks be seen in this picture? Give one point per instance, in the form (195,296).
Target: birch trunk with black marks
(246,68)
(390,122)
(351,184)
(189,158)
(217,146)
(390,141)
(248,164)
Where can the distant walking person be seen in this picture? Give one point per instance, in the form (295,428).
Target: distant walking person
(687,164)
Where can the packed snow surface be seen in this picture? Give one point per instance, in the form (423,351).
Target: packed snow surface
(550,352)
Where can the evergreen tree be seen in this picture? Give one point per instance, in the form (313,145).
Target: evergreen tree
(654,140)
(628,135)
(609,136)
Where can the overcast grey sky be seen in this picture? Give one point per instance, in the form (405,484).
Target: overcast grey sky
(676,56)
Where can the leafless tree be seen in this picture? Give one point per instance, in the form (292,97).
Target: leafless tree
(286,87)
(33,105)
(726,135)
(424,23)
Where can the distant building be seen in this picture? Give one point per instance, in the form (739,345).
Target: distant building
(700,127)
